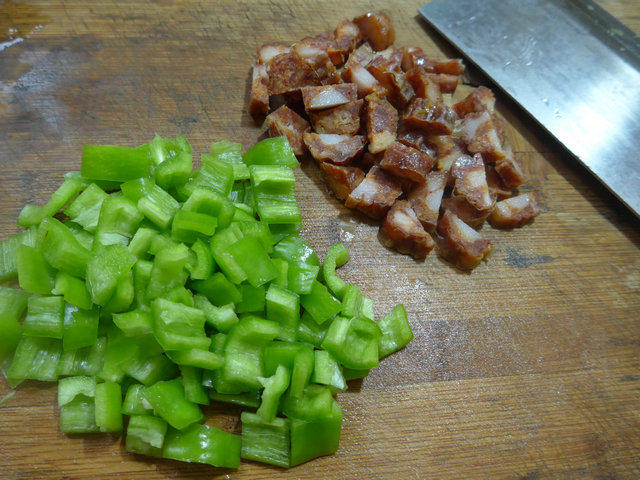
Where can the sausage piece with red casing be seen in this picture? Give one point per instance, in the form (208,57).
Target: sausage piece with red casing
(497,188)
(377,29)
(402,231)
(341,180)
(470,181)
(382,124)
(337,149)
(418,140)
(355,72)
(426,198)
(289,73)
(509,169)
(346,39)
(286,122)
(406,162)
(413,57)
(449,148)
(259,97)
(447,83)
(461,244)
(328,96)
(271,50)
(465,211)
(423,115)
(515,211)
(344,120)
(424,86)
(376,193)
(313,51)
(479,100)
(482,135)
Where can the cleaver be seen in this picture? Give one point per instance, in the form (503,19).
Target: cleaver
(569,64)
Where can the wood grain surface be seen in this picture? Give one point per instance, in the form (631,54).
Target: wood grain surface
(527,368)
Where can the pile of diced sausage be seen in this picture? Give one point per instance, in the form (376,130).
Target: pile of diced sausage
(374,119)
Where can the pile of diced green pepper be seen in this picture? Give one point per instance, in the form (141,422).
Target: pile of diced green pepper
(162,287)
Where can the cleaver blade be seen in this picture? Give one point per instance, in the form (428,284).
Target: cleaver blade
(573,67)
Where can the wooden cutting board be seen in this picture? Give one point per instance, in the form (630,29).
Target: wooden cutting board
(526,368)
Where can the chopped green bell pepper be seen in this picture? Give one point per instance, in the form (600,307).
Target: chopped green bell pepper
(145,435)
(203,444)
(396,331)
(266,442)
(168,401)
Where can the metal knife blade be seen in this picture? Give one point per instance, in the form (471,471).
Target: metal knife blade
(570,64)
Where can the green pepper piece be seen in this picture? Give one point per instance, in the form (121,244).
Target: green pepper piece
(34,214)
(61,249)
(214,173)
(134,401)
(266,442)
(84,361)
(180,295)
(141,241)
(85,209)
(283,306)
(114,163)
(282,266)
(221,318)
(36,358)
(34,273)
(118,221)
(108,398)
(247,400)
(190,226)
(169,271)
(253,299)
(337,256)
(151,200)
(351,302)
(13,304)
(281,353)
(316,402)
(196,358)
(203,444)
(274,387)
(353,342)
(122,297)
(231,153)
(45,317)
(168,401)
(220,244)
(203,266)
(84,238)
(134,323)
(73,290)
(351,374)
(194,391)
(326,371)
(302,370)
(396,331)
(78,416)
(258,230)
(243,353)
(209,202)
(9,252)
(271,151)
(320,304)
(178,327)
(310,332)
(69,388)
(252,258)
(148,369)
(80,329)
(314,438)
(145,435)
(120,352)
(274,194)
(141,276)
(218,289)
(237,196)
(304,264)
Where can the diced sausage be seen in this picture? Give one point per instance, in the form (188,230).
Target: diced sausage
(354,72)
(376,194)
(402,231)
(271,50)
(341,180)
(327,96)
(377,29)
(337,149)
(418,140)
(461,244)
(465,211)
(434,119)
(481,135)
(313,52)
(413,57)
(449,148)
(447,83)
(289,73)
(259,98)
(347,39)
(388,60)
(364,54)
(369,159)
(286,122)
(344,120)
(479,100)
(497,188)
(471,181)
(424,86)
(426,199)
(382,124)
(509,169)
(515,211)
(386,69)
(406,162)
